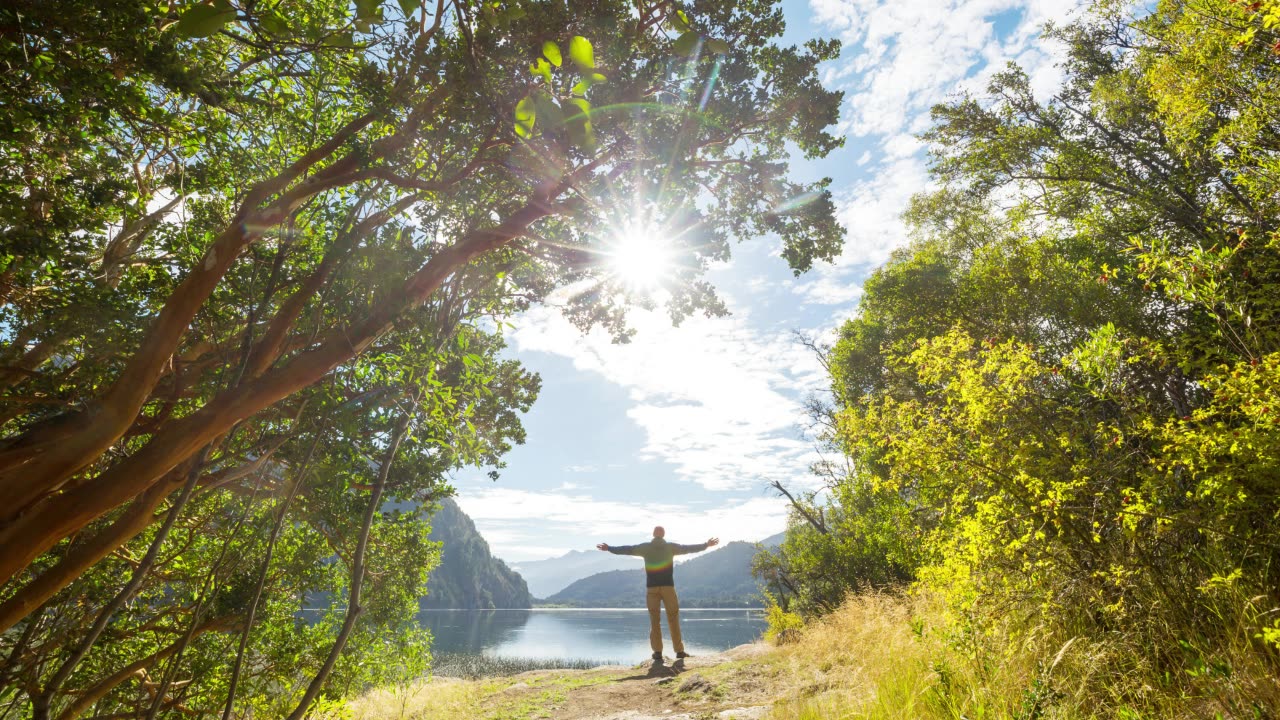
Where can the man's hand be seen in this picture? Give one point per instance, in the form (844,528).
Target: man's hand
(713,542)
(603,546)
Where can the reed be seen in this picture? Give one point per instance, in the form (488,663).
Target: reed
(474,667)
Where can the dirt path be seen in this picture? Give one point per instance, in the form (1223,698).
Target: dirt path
(724,686)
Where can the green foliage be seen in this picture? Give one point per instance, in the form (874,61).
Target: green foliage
(782,624)
(864,539)
(240,242)
(1063,391)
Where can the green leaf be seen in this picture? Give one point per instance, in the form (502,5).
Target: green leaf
(718,47)
(551,51)
(583,110)
(273,23)
(579,124)
(551,114)
(368,10)
(679,22)
(581,53)
(203,21)
(686,44)
(586,82)
(541,68)
(526,116)
(409,6)
(343,39)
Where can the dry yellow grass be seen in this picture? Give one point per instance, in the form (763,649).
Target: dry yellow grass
(436,698)
(886,656)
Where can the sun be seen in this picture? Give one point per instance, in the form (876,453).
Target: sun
(641,258)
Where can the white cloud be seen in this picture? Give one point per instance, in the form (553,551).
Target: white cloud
(716,398)
(871,213)
(517,523)
(900,60)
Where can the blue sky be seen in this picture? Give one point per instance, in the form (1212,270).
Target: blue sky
(685,427)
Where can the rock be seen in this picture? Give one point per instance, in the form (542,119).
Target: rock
(695,683)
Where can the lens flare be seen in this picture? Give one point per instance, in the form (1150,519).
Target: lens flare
(641,258)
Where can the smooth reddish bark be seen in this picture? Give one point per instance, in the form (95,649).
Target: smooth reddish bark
(46,461)
(58,516)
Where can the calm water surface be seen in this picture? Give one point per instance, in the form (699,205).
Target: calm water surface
(609,635)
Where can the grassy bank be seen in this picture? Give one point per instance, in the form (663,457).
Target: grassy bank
(878,656)
(891,657)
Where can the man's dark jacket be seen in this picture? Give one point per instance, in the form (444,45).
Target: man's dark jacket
(659,558)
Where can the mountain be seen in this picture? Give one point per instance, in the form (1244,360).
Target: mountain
(774,541)
(720,578)
(547,577)
(469,577)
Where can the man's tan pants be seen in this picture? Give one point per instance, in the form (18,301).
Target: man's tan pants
(667,596)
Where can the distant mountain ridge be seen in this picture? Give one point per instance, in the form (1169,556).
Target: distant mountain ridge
(468,576)
(720,578)
(547,577)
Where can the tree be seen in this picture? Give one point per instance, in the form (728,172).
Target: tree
(1067,379)
(312,135)
(243,243)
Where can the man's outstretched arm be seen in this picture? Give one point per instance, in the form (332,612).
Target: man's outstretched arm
(687,549)
(619,549)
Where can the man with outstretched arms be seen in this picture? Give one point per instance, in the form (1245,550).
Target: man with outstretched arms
(659,561)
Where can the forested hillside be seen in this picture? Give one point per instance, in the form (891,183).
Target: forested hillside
(721,578)
(468,577)
(1058,405)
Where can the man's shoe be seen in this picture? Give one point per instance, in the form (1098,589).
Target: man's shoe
(657,655)
(682,655)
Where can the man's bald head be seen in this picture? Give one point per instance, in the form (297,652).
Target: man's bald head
(659,532)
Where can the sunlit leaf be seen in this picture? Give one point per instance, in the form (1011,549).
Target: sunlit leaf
(581,87)
(678,22)
(526,115)
(551,51)
(582,53)
(541,68)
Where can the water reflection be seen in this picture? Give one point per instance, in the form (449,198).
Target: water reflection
(613,635)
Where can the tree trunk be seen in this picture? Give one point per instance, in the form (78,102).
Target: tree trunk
(86,698)
(25,479)
(354,609)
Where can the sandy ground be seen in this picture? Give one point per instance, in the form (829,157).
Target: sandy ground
(710,687)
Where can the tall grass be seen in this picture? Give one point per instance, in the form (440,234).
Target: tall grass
(473,667)
(887,656)
(438,699)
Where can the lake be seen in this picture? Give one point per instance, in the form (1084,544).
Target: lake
(611,635)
